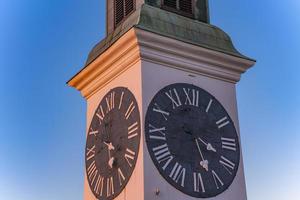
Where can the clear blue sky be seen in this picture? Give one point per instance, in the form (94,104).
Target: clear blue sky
(42,121)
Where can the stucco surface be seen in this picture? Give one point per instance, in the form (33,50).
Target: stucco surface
(155,77)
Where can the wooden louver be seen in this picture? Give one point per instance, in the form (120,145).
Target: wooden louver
(119,11)
(171,3)
(122,9)
(129,6)
(184,7)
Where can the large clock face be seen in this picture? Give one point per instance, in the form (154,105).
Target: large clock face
(112,144)
(192,140)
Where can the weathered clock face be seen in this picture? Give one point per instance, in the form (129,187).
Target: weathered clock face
(192,140)
(112,144)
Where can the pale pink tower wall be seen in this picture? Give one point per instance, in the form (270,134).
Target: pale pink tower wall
(137,56)
(118,66)
(169,68)
(145,62)
(134,85)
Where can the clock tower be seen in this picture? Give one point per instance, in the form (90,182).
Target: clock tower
(162,120)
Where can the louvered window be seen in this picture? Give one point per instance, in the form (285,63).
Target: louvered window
(123,8)
(184,7)
(171,3)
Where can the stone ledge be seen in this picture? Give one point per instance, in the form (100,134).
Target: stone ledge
(138,45)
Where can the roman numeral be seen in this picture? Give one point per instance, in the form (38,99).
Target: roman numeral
(227,164)
(93,177)
(129,156)
(209,105)
(129,110)
(100,114)
(121,176)
(162,154)
(92,171)
(133,130)
(222,122)
(229,144)
(162,112)
(192,97)
(99,185)
(92,132)
(198,182)
(110,101)
(177,173)
(110,186)
(219,183)
(121,100)
(174,98)
(90,153)
(157,133)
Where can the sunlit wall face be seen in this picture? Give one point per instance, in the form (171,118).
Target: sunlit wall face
(42,121)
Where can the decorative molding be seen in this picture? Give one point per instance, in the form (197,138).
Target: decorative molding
(191,58)
(137,45)
(118,58)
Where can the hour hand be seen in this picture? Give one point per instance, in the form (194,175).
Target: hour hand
(209,147)
(111,162)
(109,145)
(204,164)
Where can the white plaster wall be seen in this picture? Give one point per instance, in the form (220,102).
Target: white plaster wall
(144,79)
(154,78)
(131,79)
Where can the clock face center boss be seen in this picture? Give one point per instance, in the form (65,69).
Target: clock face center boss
(192,140)
(112,144)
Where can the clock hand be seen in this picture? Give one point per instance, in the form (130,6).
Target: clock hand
(209,147)
(203,163)
(111,159)
(111,162)
(109,145)
(199,149)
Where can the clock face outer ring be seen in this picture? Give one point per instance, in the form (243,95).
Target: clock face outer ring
(152,117)
(120,139)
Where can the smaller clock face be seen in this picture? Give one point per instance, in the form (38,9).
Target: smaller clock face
(112,144)
(192,140)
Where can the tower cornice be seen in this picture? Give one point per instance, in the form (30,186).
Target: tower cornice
(138,45)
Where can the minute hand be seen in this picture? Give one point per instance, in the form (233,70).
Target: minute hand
(209,147)
(199,149)
(203,163)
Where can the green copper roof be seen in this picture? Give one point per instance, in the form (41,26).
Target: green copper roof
(171,25)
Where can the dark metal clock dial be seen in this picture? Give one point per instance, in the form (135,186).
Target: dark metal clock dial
(112,143)
(192,140)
